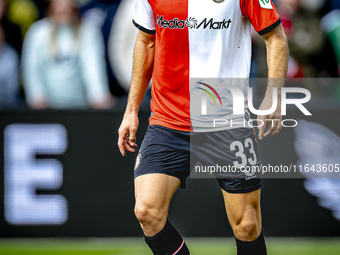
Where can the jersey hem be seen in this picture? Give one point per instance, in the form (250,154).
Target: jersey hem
(270,28)
(163,124)
(143,28)
(192,129)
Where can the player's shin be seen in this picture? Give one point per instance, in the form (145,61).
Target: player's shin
(256,247)
(167,242)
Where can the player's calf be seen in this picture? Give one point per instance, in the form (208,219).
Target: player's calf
(153,196)
(244,214)
(160,235)
(255,247)
(167,242)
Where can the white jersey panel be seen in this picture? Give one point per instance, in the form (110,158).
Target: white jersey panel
(222,53)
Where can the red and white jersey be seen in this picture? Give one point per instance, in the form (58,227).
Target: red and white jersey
(198,39)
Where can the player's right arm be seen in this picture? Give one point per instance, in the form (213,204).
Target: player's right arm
(142,72)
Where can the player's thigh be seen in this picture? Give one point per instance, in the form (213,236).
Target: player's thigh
(153,192)
(243,207)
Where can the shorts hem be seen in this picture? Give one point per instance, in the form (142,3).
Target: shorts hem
(182,184)
(241,190)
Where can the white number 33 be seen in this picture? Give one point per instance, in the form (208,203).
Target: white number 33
(237,145)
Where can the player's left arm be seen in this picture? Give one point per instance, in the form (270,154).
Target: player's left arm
(277,61)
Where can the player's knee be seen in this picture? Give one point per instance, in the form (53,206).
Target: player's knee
(147,215)
(247,230)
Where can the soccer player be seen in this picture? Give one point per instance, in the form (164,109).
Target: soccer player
(180,40)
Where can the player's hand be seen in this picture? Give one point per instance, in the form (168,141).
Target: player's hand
(127,133)
(273,121)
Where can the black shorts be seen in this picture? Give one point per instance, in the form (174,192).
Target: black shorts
(174,153)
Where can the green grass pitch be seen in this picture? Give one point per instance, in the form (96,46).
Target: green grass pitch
(133,246)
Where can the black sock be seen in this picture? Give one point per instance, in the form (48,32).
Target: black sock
(167,242)
(256,247)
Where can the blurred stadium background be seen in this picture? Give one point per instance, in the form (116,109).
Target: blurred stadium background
(65,189)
